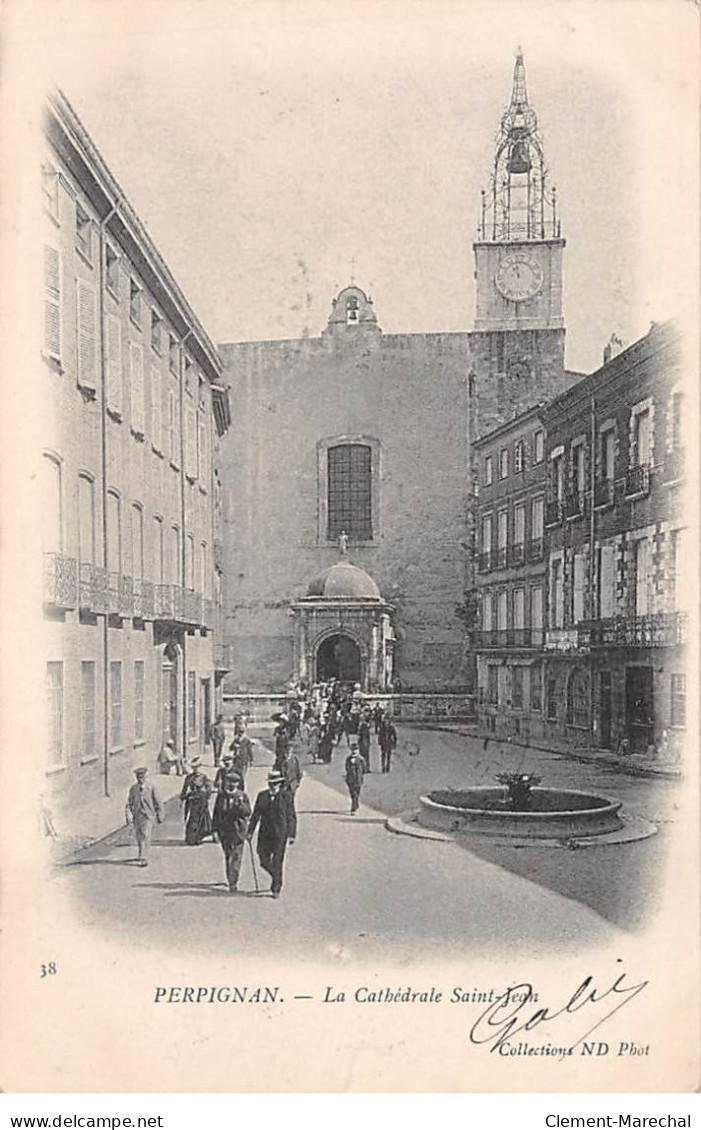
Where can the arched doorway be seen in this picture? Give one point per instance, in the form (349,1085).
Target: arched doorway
(338,657)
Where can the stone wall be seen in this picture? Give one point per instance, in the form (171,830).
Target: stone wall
(410,393)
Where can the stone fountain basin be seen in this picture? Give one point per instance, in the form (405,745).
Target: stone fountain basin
(553,814)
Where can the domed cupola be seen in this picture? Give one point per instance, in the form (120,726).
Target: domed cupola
(344,581)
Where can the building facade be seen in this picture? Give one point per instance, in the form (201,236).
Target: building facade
(510,574)
(356,439)
(608,670)
(615,673)
(130,408)
(368,434)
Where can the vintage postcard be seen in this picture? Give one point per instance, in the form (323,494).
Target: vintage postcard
(350,586)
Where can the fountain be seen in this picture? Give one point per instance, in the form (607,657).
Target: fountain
(518,808)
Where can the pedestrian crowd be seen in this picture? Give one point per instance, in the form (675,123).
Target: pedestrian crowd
(314,722)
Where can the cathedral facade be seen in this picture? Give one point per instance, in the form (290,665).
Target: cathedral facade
(347,473)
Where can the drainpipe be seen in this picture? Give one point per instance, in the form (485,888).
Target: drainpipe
(592,565)
(103,491)
(183,551)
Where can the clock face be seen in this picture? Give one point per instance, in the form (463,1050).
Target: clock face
(518,278)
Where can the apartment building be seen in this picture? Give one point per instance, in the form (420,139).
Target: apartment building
(614,662)
(130,411)
(510,579)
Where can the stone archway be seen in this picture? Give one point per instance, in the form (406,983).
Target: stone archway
(338,657)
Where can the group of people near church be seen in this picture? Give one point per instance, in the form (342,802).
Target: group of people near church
(322,715)
(314,722)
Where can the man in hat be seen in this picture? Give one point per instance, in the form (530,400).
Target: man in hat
(242,752)
(142,809)
(271,811)
(287,764)
(232,809)
(217,735)
(387,738)
(355,772)
(224,770)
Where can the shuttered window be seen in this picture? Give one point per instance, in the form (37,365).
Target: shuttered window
(114,364)
(52,302)
(191,442)
(136,366)
(156,410)
(86,317)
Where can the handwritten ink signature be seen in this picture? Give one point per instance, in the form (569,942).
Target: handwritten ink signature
(506,1016)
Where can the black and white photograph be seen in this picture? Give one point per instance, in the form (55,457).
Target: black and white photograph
(351,571)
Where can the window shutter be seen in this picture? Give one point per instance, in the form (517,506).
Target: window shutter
(136,365)
(52,301)
(156,410)
(191,443)
(87,336)
(114,364)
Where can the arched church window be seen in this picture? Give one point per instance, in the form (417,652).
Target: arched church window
(350,491)
(352,308)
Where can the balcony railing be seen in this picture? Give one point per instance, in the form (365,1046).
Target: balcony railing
(485,561)
(509,637)
(121,591)
(516,554)
(604,493)
(94,593)
(660,629)
(60,580)
(144,602)
(574,504)
(553,512)
(164,603)
(535,549)
(637,481)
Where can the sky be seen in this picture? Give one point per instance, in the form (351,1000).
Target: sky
(275,149)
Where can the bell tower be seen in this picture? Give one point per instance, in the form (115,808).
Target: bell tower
(518,340)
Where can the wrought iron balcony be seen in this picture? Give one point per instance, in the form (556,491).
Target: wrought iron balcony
(637,481)
(144,602)
(164,604)
(94,593)
(553,512)
(485,562)
(60,581)
(535,549)
(121,591)
(574,504)
(660,629)
(516,554)
(604,493)
(509,637)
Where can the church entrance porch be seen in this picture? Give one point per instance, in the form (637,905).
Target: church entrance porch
(338,657)
(343,630)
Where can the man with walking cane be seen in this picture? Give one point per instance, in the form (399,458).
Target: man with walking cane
(271,811)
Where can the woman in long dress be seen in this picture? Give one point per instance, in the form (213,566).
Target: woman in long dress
(195,795)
